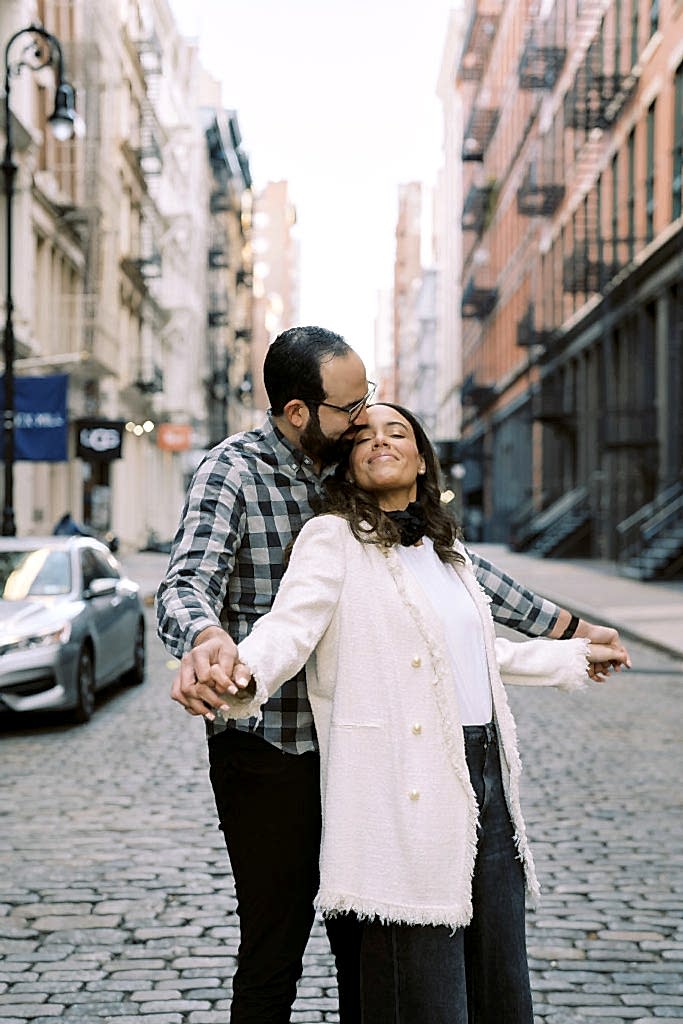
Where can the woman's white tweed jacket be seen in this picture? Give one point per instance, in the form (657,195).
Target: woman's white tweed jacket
(399,812)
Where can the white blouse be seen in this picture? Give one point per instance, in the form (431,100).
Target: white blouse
(452,604)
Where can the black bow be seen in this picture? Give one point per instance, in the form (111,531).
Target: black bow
(411,523)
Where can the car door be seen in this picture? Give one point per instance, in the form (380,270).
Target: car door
(125,602)
(104,617)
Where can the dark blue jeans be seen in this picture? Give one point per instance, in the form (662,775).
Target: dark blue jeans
(268,805)
(477,974)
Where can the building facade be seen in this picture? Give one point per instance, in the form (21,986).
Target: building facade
(276,276)
(407,283)
(115,258)
(572,277)
(229,387)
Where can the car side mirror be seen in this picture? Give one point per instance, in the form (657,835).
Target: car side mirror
(112,542)
(101,587)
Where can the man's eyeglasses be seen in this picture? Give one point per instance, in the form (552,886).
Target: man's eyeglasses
(354,410)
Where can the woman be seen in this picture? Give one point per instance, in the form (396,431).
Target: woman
(423,836)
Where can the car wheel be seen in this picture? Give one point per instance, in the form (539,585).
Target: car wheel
(135,676)
(85,686)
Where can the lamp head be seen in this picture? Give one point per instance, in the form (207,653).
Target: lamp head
(63,120)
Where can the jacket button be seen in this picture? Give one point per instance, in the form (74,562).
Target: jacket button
(416,662)
(414,794)
(417,728)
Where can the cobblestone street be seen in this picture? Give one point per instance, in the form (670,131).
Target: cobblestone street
(116,901)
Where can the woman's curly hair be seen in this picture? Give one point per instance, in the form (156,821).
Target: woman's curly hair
(370,525)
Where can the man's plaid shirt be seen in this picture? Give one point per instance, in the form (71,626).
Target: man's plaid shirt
(248,499)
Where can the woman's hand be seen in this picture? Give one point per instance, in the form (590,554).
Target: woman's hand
(243,685)
(605,636)
(205,673)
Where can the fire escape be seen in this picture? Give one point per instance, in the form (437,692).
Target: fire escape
(599,93)
(143,263)
(598,247)
(479,296)
(476,53)
(229,278)
(542,190)
(596,99)
(528,334)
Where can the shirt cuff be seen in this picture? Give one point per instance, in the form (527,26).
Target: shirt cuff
(196,627)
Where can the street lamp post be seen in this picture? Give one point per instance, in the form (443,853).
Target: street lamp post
(42,50)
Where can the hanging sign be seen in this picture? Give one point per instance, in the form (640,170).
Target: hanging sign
(174,437)
(99,440)
(40,418)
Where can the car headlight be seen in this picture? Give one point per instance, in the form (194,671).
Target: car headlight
(60,635)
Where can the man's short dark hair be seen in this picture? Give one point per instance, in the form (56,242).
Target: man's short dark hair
(292,365)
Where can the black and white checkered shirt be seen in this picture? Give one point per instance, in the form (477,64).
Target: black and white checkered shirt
(248,499)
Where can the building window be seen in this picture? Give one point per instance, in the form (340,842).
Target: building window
(561,250)
(677,186)
(614,213)
(585,255)
(618,28)
(654,16)
(598,219)
(634,32)
(631,193)
(650,176)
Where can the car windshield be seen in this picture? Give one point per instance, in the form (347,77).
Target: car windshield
(39,572)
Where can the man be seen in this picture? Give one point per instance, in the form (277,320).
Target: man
(248,499)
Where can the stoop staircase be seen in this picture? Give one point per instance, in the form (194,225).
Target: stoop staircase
(651,540)
(557,529)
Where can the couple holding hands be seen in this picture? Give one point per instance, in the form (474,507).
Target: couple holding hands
(362,751)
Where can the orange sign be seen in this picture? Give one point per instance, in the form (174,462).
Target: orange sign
(174,437)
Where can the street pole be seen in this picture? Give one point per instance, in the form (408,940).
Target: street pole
(9,170)
(44,50)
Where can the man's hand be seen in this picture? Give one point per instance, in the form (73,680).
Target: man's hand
(608,640)
(602,659)
(205,673)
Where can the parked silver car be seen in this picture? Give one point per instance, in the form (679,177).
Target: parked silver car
(70,623)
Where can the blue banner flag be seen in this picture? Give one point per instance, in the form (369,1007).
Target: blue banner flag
(40,419)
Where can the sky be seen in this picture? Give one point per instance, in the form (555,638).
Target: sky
(338,97)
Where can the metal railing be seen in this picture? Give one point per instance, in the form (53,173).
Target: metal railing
(640,528)
(529,525)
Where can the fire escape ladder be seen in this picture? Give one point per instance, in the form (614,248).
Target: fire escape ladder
(481,33)
(219,248)
(478,301)
(150,156)
(478,207)
(480,130)
(543,56)
(528,334)
(475,395)
(594,258)
(150,375)
(603,83)
(541,192)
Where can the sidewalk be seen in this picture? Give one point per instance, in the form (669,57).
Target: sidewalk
(651,613)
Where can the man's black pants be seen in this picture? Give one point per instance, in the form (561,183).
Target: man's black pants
(268,804)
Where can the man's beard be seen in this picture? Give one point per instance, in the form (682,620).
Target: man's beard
(326,450)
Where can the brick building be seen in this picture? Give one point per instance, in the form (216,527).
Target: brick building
(572,277)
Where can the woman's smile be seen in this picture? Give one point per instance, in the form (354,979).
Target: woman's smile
(385,459)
